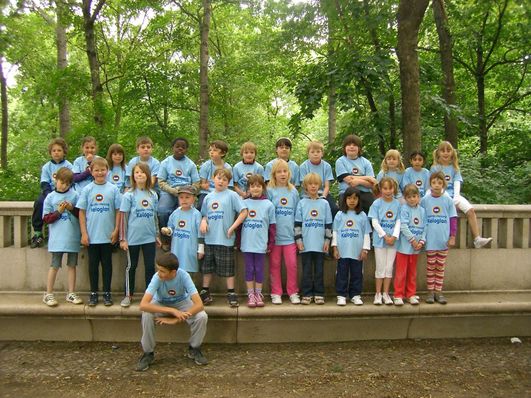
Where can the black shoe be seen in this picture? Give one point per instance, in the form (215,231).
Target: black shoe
(430,299)
(440,298)
(205,297)
(93,299)
(197,356)
(232,298)
(107,299)
(144,362)
(36,241)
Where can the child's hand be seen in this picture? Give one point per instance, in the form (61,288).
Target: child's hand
(158,242)
(419,246)
(85,240)
(205,185)
(326,246)
(414,244)
(124,245)
(451,241)
(181,315)
(230,231)
(61,207)
(165,231)
(300,246)
(114,236)
(363,255)
(389,240)
(200,255)
(203,228)
(335,252)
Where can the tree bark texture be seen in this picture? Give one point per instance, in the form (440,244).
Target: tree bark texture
(62,63)
(445,50)
(410,15)
(203,80)
(3,88)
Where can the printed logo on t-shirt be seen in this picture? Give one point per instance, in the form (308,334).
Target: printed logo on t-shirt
(314,213)
(99,197)
(178,173)
(283,201)
(436,210)
(389,214)
(416,221)
(418,183)
(116,177)
(144,203)
(252,213)
(350,223)
(182,223)
(248,175)
(215,206)
(54,176)
(355,170)
(447,177)
(172,292)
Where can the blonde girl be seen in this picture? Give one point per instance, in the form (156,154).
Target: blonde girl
(393,166)
(139,227)
(282,193)
(245,168)
(445,160)
(116,159)
(385,219)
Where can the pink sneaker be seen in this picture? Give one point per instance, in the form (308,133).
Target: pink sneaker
(251,300)
(259,298)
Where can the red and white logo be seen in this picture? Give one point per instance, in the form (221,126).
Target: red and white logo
(416,221)
(172,292)
(447,177)
(389,214)
(182,223)
(436,210)
(418,183)
(144,203)
(99,197)
(248,175)
(350,223)
(178,173)
(355,171)
(252,214)
(54,176)
(314,213)
(115,177)
(283,201)
(215,205)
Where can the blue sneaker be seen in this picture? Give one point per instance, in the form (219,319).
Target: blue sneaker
(93,299)
(107,299)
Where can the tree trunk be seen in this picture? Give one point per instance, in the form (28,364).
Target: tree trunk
(62,63)
(332,113)
(3,88)
(482,120)
(89,20)
(410,15)
(203,80)
(445,45)
(392,123)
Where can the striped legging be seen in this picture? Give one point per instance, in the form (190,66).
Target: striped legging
(436,260)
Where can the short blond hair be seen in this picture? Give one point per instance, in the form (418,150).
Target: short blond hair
(311,178)
(248,146)
(224,173)
(314,145)
(392,153)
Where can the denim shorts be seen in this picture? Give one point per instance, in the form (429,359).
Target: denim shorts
(57,259)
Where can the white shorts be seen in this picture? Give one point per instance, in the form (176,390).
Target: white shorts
(462,204)
(385,259)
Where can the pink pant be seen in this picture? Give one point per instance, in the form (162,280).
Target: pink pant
(405,275)
(290,261)
(436,261)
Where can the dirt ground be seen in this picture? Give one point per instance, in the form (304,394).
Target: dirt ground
(404,368)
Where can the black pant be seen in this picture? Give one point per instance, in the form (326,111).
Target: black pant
(36,216)
(100,252)
(349,277)
(148,252)
(312,274)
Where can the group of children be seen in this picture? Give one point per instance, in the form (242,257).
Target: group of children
(201,214)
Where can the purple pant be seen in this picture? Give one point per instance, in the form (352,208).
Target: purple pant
(254,267)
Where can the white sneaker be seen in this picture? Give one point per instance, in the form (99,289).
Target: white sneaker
(276,299)
(387,299)
(73,298)
(378,299)
(295,299)
(479,242)
(414,300)
(341,300)
(49,300)
(398,301)
(357,300)
(126,302)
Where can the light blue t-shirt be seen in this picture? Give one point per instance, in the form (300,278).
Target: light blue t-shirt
(100,202)
(255,228)
(79,166)
(451,175)
(172,291)
(387,214)
(323,169)
(350,229)
(242,171)
(285,202)
(439,210)
(117,177)
(354,167)
(178,172)
(412,225)
(293,167)
(395,175)
(64,234)
(140,206)
(153,164)
(206,172)
(419,178)
(314,214)
(221,209)
(185,238)
(50,168)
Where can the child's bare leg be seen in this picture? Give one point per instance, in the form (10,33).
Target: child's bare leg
(71,279)
(207,278)
(472,223)
(250,285)
(52,274)
(230,282)
(379,283)
(386,285)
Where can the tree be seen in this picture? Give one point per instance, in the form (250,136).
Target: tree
(410,15)
(203,79)
(3,88)
(62,64)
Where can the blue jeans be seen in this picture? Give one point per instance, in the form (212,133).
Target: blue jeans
(167,204)
(349,277)
(312,274)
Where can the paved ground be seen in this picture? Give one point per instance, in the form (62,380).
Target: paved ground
(405,368)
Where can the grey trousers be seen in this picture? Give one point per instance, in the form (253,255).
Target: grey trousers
(197,323)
